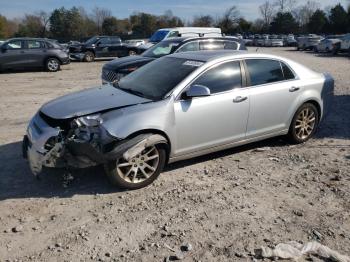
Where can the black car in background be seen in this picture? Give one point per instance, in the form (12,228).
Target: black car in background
(30,53)
(98,47)
(116,69)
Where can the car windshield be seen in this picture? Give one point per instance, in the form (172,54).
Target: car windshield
(91,40)
(158,36)
(153,81)
(161,49)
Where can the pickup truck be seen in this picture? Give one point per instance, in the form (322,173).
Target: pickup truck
(343,45)
(98,47)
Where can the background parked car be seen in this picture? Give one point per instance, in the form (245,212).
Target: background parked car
(328,44)
(98,47)
(343,45)
(114,70)
(273,40)
(164,33)
(133,44)
(290,40)
(26,53)
(308,42)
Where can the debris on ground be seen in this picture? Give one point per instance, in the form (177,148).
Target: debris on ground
(295,250)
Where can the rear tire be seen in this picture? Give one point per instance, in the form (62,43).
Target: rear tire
(304,124)
(52,64)
(119,174)
(89,56)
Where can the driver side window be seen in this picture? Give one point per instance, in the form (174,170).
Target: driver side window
(221,78)
(105,41)
(18,44)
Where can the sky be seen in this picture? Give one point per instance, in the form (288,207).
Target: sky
(185,9)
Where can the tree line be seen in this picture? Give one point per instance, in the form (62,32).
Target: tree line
(276,16)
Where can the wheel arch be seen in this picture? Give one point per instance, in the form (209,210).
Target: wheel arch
(154,131)
(52,56)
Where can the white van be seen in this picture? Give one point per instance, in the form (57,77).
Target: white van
(165,33)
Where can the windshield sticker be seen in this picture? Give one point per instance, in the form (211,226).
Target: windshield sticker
(193,63)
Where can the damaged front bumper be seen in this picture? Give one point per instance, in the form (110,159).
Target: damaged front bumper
(44,145)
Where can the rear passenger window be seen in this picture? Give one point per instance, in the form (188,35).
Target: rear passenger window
(32,44)
(212,45)
(287,72)
(192,46)
(264,71)
(115,40)
(231,45)
(221,78)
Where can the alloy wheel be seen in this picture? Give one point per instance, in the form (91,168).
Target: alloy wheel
(139,168)
(305,123)
(52,65)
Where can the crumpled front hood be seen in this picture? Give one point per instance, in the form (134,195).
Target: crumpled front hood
(90,101)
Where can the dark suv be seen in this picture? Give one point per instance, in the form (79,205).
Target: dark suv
(29,53)
(98,46)
(116,69)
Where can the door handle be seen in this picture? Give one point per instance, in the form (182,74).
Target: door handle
(293,89)
(22,52)
(239,99)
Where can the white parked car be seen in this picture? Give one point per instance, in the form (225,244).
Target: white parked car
(343,45)
(327,45)
(273,40)
(308,42)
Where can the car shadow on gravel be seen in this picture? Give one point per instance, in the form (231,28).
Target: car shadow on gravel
(17,181)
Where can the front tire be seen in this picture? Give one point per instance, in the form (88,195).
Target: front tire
(89,56)
(52,64)
(304,123)
(138,172)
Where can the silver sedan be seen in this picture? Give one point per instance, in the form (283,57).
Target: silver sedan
(178,107)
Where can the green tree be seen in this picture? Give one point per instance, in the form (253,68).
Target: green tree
(284,23)
(31,26)
(110,26)
(317,22)
(338,19)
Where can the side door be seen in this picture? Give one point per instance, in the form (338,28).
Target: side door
(103,47)
(117,49)
(274,95)
(34,53)
(218,119)
(12,55)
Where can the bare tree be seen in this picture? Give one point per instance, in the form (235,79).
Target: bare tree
(203,21)
(267,11)
(304,12)
(285,5)
(45,19)
(99,15)
(229,21)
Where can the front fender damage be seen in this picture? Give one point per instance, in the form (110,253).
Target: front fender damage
(78,153)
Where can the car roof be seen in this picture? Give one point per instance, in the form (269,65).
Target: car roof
(206,56)
(28,38)
(191,38)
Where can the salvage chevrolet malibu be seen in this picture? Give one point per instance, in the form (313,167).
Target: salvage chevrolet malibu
(178,107)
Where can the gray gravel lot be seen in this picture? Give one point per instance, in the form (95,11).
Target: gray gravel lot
(225,204)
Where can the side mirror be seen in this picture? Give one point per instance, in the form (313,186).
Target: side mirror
(197,91)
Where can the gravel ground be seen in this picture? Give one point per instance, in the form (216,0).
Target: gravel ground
(220,207)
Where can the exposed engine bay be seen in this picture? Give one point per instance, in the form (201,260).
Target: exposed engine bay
(81,143)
